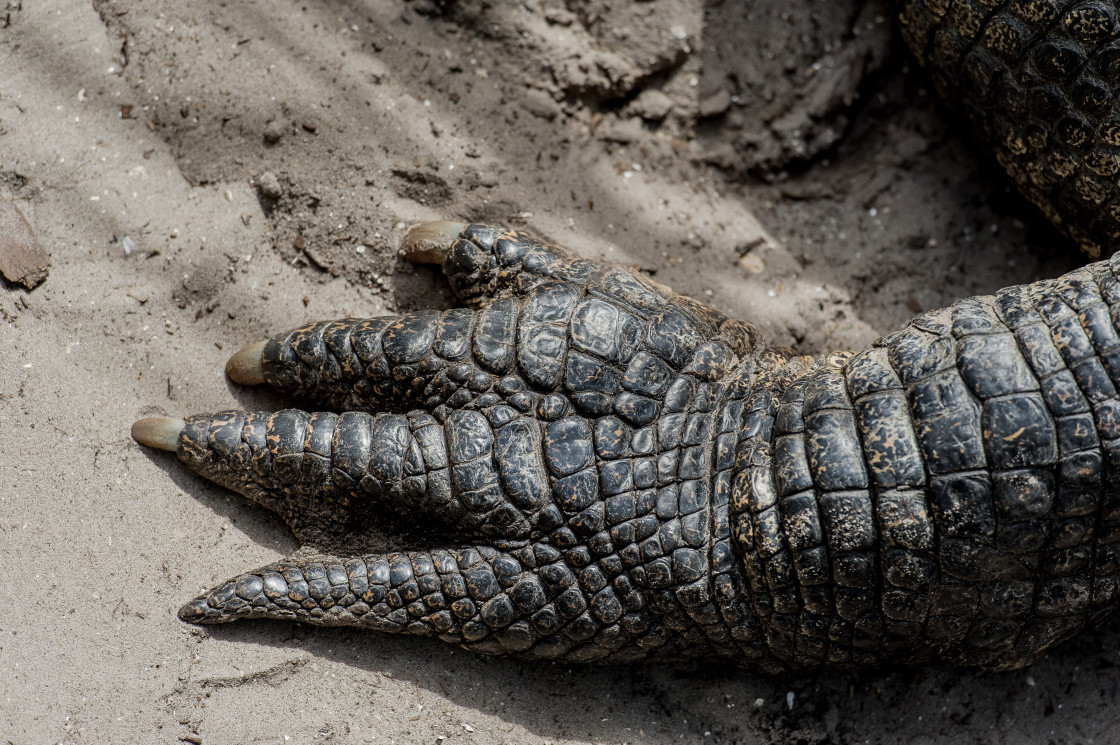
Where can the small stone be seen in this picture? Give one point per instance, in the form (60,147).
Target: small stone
(559,17)
(715,105)
(274,132)
(752,263)
(426,8)
(270,185)
(622,132)
(540,104)
(652,105)
(22,259)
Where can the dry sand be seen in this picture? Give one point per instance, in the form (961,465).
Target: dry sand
(205,174)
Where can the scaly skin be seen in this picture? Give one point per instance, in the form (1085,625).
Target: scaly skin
(1036,81)
(602,470)
(561,440)
(596,469)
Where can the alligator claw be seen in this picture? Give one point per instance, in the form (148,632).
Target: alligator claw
(431,242)
(244,367)
(158,432)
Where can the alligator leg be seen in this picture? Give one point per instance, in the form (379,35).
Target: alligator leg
(670,487)
(950,493)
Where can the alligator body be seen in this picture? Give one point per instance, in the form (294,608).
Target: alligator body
(592,468)
(1036,81)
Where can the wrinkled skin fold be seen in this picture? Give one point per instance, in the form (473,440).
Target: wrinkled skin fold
(607,471)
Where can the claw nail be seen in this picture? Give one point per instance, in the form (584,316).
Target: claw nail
(430,242)
(158,432)
(245,366)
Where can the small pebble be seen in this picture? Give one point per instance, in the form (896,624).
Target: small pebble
(715,105)
(273,132)
(652,105)
(22,258)
(270,185)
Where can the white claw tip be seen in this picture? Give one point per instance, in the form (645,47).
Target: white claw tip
(245,366)
(159,432)
(430,242)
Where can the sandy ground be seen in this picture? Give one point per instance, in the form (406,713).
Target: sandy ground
(205,174)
